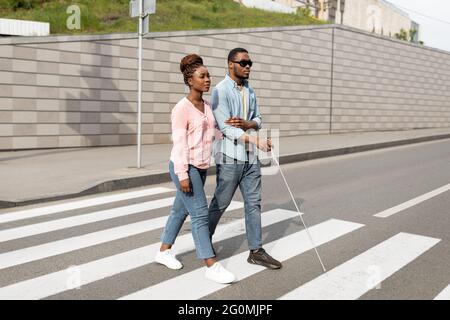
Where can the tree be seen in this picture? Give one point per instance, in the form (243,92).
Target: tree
(408,36)
(402,35)
(412,35)
(304,11)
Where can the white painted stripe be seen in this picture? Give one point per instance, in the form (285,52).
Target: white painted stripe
(36,212)
(444,295)
(34,229)
(408,204)
(46,250)
(234,205)
(39,228)
(54,283)
(357,276)
(194,285)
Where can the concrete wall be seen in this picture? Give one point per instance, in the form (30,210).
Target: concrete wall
(24,28)
(81,90)
(383,84)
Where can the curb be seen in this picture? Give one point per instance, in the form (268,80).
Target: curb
(135,182)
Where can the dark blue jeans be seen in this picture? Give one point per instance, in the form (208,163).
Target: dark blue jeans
(194,204)
(229,175)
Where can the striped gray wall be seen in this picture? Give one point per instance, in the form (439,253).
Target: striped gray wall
(77,91)
(381,84)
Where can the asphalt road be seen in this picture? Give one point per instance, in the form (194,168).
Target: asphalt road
(380,219)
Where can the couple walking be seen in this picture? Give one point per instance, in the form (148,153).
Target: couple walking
(234,111)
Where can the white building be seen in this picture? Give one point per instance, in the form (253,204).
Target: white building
(378,16)
(268,5)
(293,3)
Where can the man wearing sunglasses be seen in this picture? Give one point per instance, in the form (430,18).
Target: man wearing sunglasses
(236,112)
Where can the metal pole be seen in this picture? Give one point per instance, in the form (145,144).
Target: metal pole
(139,118)
(332,82)
(298,210)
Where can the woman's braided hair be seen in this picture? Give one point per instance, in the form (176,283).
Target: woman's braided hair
(188,65)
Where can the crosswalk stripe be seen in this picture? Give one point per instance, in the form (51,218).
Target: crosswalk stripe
(46,250)
(408,204)
(235,205)
(56,282)
(357,276)
(79,204)
(13,258)
(444,295)
(39,228)
(194,285)
(79,220)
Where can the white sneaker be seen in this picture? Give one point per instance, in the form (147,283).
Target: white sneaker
(168,259)
(219,274)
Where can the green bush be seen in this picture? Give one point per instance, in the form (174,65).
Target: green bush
(21,4)
(18,4)
(304,11)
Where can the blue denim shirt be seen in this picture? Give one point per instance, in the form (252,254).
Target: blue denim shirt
(226,102)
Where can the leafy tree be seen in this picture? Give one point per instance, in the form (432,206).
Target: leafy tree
(402,35)
(304,11)
(408,35)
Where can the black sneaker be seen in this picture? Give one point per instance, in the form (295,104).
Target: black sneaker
(262,258)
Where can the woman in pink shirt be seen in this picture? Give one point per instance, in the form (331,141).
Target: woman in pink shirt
(193,128)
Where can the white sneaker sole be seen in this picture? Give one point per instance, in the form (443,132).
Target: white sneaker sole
(221,281)
(168,266)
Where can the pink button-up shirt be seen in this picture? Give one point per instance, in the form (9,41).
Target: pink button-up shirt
(192,133)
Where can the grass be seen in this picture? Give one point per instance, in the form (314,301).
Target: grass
(112,16)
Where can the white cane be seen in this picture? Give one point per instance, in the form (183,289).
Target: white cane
(298,210)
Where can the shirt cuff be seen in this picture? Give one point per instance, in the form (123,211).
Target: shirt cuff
(258,121)
(182,176)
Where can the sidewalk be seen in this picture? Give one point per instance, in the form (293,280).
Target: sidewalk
(43,175)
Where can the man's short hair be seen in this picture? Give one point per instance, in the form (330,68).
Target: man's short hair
(234,52)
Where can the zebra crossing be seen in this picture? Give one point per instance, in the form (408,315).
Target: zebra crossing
(283,249)
(349,280)
(444,294)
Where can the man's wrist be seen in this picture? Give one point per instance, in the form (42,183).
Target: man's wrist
(251,125)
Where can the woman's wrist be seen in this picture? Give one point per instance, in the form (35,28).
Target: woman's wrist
(182,176)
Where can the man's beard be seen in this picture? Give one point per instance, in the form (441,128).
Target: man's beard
(243,76)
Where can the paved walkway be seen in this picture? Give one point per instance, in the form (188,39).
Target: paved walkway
(42,175)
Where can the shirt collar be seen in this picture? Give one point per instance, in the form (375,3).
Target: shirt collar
(234,84)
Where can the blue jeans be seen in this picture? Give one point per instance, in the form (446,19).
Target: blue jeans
(194,204)
(229,175)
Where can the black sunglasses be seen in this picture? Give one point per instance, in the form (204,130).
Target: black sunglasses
(244,63)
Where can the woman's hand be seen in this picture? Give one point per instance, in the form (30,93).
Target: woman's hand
(261,143)
(185,186)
